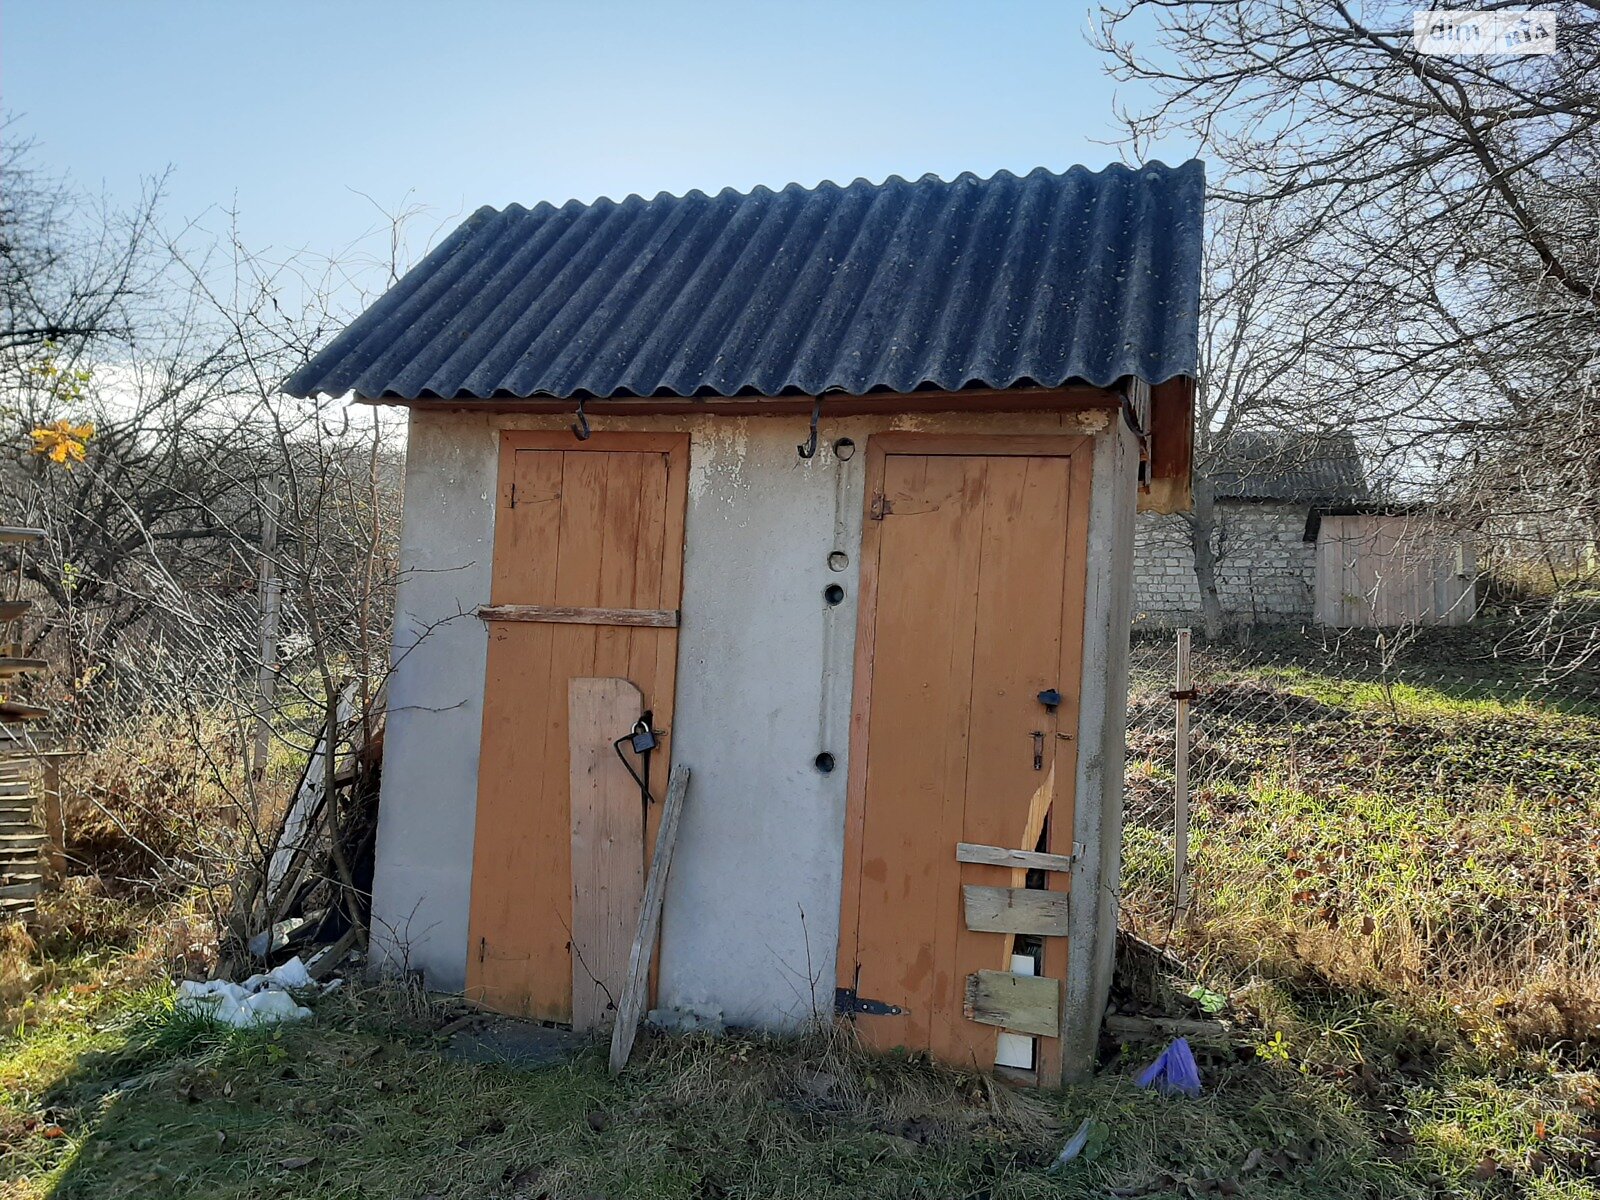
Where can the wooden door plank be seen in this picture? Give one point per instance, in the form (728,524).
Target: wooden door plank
(951,1038)
(607,846)
(636,989)
(1020,1003)
(999,856)
(666,484)
(622,522)
(1060,831)
(1016,910)
(652,499)
(909,904)
(513,901)
(547,970)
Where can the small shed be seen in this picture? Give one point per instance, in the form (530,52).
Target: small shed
(1387,567)
(833,490)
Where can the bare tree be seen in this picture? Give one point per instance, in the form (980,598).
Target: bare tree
(1449,208)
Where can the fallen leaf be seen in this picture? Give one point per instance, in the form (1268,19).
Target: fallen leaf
(294,1164)
(53,1131)
(1487,1168)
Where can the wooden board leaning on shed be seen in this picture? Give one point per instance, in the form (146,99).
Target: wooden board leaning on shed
(637,988)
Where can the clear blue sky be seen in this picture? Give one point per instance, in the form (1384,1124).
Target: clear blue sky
(289,109)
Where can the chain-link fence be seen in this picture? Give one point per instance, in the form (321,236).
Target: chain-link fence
(1336,776)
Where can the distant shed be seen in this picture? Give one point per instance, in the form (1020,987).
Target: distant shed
(1394,568)
(896,659)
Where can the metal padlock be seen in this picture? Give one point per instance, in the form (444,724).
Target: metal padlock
(643,738)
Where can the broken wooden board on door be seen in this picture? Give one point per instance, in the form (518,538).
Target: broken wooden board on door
(1020,1003)
(607,846)
(1017,910)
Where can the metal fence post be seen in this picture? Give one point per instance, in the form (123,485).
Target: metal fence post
(1181,693)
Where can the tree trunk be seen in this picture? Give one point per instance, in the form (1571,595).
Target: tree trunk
(1202,529)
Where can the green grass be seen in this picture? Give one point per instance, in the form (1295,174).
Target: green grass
(359,1103)
(1403,883)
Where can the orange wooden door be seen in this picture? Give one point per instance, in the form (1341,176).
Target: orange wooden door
(596,524)
(972,604)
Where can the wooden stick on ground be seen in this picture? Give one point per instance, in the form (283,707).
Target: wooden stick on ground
(637,988)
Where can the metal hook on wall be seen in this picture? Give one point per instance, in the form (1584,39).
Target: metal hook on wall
(808,448)
(580,427)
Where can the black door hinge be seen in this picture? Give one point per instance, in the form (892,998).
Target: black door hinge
(846,1001)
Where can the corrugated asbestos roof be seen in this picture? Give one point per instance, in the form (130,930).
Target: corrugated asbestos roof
(898,286)
(1292,467)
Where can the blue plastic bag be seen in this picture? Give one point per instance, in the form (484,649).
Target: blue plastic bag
(1175,1073)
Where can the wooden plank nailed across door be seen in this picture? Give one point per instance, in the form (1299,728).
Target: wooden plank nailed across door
(607,847)
(1020,1003)
(998,856)
(1016,910)
(651,618)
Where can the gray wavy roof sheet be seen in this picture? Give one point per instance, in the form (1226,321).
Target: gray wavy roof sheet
(1296,467)
(1042,279)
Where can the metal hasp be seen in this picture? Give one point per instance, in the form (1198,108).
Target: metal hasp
(846,1002)
(1051,699)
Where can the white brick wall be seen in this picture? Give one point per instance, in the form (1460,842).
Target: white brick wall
(1266,571)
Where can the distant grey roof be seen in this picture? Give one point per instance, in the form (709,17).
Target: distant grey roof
(898,286)
(1302,468)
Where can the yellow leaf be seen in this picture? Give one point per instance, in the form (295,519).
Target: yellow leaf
(62,441)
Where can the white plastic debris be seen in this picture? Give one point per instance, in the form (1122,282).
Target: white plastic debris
(259,1000)
(688,1019)
(1075,1145)
(291,976)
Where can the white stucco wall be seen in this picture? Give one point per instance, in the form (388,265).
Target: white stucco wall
(764,684)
